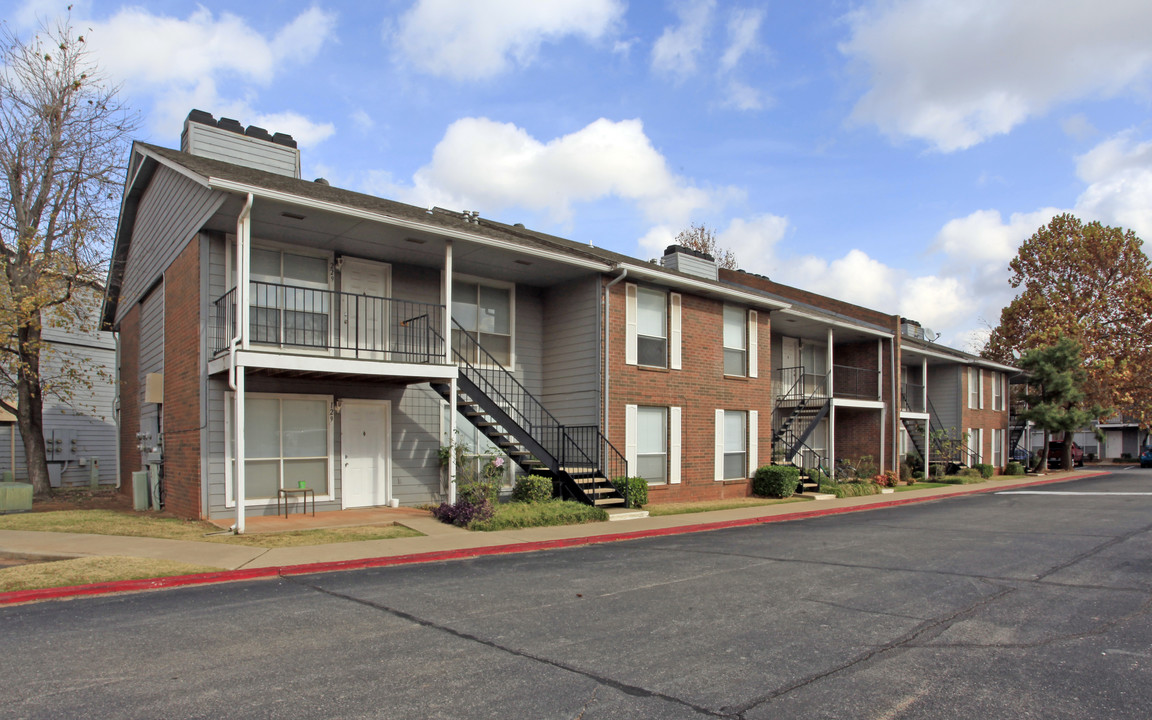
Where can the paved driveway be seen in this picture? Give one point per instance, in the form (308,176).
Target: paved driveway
(984,606)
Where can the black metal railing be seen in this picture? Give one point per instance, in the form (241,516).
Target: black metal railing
(797,383)
(359,326)
(948,444)
(855,383)
(576,451)
(912,397)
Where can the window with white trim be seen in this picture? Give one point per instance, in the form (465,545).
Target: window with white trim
(651,327)
(735,341)
(973,388)
(997,391)
(485,313)
(286,442)
(652,444)
(735,444)
(289,298)
(976,445)
(998,448)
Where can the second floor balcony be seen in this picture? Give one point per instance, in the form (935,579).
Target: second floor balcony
(312,321)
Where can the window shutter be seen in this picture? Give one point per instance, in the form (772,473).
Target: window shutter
(630,323)
(980,384)
(753,441)
(719,444)
(674,451)
(630,438)
(674,331)
(752,338)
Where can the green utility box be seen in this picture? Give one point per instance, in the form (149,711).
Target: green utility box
(15,497)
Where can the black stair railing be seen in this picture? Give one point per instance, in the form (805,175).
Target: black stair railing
(940,436)
(570,452)
(809,392)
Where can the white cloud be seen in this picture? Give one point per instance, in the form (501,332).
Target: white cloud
(743,27)
(743,97)
(1078,127)
(1119,176)
(956,73)
(182,64)
(676,50)
(469,40)
(487,165)
(754,240)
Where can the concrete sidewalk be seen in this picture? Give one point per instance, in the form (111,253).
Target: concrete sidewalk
(440,539)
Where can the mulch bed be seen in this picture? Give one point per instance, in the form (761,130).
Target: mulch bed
(103,498)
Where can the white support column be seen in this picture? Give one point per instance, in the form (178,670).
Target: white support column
(452,441)
(238,444)
(830,361)
(883,422)
(924,384)
(447,296)
(832,442)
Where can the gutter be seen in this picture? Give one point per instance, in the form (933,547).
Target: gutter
(702,287)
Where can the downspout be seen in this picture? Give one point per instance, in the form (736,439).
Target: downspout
(897,408)
(236,375)
(607,336)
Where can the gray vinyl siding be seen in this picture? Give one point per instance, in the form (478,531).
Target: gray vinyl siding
(530,339)
(571,362)
(87,416)
(944,395)
(171,211)
(416,427)
(225,145)
(151,354)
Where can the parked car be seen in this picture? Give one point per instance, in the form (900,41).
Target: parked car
(1056,455)
(1146,457)
(1021,455)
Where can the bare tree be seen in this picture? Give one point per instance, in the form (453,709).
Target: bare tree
(703,239)
(63,140)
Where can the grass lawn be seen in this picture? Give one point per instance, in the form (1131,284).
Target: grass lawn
(112,522)
(83,571)
(510,516)
(921,486)
(710,505)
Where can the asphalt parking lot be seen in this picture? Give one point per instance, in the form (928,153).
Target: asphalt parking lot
(1026,604)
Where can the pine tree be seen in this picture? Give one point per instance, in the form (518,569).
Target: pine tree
(1056,395)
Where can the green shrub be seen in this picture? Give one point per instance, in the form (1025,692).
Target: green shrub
(1013,468)
(634,490)
(970,472)
(937,470)
(553,512)
(856,489)
(532,489)
(986,470)
(817,476)
(917,475)
(778,481)
(962,478)
(866,468)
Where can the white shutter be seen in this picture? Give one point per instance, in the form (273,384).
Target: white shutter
(980,383)
(630,323)
(752,338)
(630,438)
(753,441)
(719,444)
(980,446)
(674,331)
(674,451)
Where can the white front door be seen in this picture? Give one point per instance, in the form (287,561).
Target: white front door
(789,359)
(366,287)
(365,435)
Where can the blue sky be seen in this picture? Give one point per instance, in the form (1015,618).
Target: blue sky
(893,154)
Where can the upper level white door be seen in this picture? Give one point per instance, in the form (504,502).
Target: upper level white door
(365,308)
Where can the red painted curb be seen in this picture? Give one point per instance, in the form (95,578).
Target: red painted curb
(119,586)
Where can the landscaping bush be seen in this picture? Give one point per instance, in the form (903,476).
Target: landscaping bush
(986,470)
(513,515)
(856,489)
(888,478)
(866,468)
(532,489)
(778,481)
(970,473)
(937,470)
(634,490)
(1013,468)
(464,511)
(918,475)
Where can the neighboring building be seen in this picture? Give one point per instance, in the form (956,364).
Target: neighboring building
(278,333)
(79,435)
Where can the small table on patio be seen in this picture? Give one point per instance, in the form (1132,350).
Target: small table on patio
(283,493)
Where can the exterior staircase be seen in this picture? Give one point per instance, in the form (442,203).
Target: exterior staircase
(578,458)
(806,403)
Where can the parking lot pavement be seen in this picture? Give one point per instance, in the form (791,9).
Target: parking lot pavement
(992,605)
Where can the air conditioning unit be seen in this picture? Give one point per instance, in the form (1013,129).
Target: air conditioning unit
(912,331)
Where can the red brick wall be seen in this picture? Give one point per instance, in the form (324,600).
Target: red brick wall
(129,398)
(700,388)
(858,434)
(182,384)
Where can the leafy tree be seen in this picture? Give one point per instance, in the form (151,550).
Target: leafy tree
(703,239)
(1055,395)
(1091,283)
(63,137)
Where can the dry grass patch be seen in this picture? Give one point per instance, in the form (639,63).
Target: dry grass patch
(710,505)
(83,571)
(133,524)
